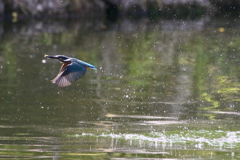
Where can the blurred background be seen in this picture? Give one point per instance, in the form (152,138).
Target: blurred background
(167,84)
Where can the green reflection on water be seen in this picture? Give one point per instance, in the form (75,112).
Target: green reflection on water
(150,83)
(215,76)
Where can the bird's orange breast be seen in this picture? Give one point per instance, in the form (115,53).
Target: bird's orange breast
(64,66)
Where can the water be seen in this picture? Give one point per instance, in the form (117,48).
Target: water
(164,90)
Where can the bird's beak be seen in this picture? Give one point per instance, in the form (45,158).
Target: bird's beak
(47,56)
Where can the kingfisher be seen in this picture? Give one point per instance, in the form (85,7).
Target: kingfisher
(71,70)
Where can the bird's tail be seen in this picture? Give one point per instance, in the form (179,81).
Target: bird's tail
(94,68)
(89,65)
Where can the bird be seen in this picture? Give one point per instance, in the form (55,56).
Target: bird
(71,70)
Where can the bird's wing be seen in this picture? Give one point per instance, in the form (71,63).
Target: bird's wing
(68,74)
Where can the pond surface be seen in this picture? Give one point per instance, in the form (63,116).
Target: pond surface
(163,90)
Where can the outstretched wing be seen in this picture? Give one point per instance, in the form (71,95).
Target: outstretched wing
(68,74)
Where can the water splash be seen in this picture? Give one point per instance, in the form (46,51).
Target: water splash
(199,139)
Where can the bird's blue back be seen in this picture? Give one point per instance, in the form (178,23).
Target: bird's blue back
(84,63)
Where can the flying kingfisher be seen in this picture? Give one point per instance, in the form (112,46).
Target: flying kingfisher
(71,70)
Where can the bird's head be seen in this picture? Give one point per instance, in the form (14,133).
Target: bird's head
(61,58)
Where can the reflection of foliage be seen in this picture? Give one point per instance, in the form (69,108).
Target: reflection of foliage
(141,66)
(227,88)
(47,39)
(148,74)
(216,78)
(234,46)
(214,67)
(10,63)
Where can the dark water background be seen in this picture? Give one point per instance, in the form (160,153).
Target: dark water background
(163,90)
